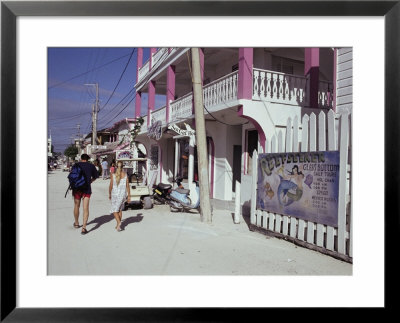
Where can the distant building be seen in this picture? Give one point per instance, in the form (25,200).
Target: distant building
(49,143)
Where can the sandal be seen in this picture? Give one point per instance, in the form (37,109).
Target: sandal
(84,231)
(76,226)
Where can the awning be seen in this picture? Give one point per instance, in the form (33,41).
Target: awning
(122,146)
(110,147)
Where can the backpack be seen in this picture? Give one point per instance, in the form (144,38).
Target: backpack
(76,178)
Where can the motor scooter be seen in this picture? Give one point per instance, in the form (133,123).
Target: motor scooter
(161,191)
(180,200)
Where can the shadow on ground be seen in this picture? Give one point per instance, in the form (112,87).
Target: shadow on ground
(130,220)
(100,221)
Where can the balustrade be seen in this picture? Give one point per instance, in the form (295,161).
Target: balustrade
(159,115)
(143,128)
(143,70)
(221,90)
(181,108)
(279,87)
(158,56)
(325,95)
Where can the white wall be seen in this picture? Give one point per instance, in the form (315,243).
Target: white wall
(344,80)
(224,137)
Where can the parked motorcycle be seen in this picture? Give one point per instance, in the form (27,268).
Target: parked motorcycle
(180,200)
(161,192)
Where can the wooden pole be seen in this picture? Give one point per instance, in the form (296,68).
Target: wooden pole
(205,206)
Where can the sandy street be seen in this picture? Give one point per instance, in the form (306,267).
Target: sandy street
(159,242)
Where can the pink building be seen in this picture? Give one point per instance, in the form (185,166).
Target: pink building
(248,94)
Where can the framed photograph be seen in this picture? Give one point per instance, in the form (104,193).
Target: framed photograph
(216,298)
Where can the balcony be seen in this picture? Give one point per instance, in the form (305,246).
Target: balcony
(161,55)
(288,89)
(221,91)
(267,86)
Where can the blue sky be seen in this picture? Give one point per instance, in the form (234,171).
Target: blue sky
(70,100)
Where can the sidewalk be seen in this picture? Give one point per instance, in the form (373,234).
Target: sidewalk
(160,242)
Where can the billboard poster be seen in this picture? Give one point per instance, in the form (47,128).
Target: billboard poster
(304,185)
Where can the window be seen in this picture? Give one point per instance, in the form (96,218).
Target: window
(251,144)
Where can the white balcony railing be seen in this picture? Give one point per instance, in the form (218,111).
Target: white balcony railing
(182,108)
(160,115)
(279,87)
(267,86)
(143,128)
(143,70)
(221,90)
(325,95)
(159,56)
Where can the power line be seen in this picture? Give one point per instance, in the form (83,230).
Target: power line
(73,116)
(124,106)
(123,72)
(129,93)
(74,77)
(159,62)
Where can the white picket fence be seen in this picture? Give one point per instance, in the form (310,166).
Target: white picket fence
(328,133)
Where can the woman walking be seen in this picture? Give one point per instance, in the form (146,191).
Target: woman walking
(118,191)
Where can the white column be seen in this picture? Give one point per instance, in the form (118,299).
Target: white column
(191,162)
(192,186)
(176,164)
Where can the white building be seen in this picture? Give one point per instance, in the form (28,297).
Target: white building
(248,95)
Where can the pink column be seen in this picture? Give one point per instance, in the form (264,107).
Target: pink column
(138,98)
(245,73)
(311,69)
(152,89)
(170,87)
(151,100)
(138,104)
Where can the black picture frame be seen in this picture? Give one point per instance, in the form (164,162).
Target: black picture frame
(10,10)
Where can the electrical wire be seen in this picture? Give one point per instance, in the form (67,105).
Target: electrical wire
(76,76)
(125,105)
(122,74)
(115,106)
(73,116)
(159,62)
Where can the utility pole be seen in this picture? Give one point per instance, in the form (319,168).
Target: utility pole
(93,126)
(202,160)
(79,133)
(95,109)
(95,115)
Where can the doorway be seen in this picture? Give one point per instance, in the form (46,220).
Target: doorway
(236,167)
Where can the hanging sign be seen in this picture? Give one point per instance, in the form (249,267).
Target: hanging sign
(154,130)
(303,185)
(189,132)
(123,154)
